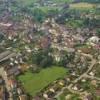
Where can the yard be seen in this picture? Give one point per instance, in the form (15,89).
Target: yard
(34,82)
(67,95)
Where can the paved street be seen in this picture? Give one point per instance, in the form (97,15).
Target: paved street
(6,55)
(2,73)
(93,61)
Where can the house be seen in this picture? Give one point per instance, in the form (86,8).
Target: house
(89,97)
(97,92)
(1,80)
(68,97)
(57,57)
(23,97)
(12,71)
(52,90)
(94,40)
(92,73)
(5,24)
(77,87)
(19,91)
(12,83)
(45,42)
(86,50)
(45,96)
(2,93)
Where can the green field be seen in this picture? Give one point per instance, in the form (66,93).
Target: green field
(82,6)
(34,82)
(28,2)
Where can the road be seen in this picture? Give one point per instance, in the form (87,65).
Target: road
(6,55)
(84,74)
(93,61)
(93,77)
(2,73)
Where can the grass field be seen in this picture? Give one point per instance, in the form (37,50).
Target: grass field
(82,5)
(34,82)
(28,2)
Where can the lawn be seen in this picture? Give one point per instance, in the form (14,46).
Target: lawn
(34,82)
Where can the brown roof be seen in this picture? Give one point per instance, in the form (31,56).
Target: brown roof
(1,92)
(23,97)
(98,92)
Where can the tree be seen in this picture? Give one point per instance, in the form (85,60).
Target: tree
(1,37)
(98,32)
(38,15)
(66,58)
(63,61)
(42,59)
(91,1)
(47,61)
(52,13)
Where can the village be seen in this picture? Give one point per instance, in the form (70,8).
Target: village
(49,60)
